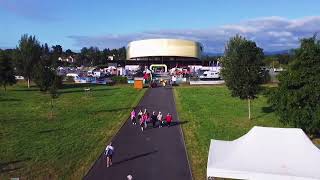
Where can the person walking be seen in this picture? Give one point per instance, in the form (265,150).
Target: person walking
(145,119)
(109,152)
(159,117)
(139,115)
(133,117)
(141,121)
(153,119)
(168,119)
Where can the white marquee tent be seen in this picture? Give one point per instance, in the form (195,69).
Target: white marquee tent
(265,153)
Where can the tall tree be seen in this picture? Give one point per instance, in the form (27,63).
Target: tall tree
(241,68)
(6,70)
(29,51)
(296,99)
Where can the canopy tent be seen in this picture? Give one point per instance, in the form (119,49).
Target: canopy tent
(265,153)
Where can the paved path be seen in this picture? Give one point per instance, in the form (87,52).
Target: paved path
(154,154)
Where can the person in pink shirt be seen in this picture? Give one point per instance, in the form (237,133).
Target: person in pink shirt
(145,119)
(133,117)
(168,119)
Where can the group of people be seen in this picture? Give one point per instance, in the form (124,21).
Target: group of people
(143,118)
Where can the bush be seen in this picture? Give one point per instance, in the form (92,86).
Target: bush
(119,80)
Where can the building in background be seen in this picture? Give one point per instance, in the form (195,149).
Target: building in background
(171,52)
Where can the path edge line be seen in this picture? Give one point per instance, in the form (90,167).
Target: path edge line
(113,137)
(181,131)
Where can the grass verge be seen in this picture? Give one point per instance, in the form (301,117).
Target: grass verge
(35,146)
(212,113)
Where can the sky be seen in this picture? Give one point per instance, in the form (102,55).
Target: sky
(274,25)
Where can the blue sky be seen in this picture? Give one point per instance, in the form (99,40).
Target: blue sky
(273,24)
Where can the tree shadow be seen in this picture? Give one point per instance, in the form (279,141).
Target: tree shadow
(9,99)
(50,130)
(71,86)
(110,110)
(12,165)
(266,110)
(134,157)
(26,90)
(85,92)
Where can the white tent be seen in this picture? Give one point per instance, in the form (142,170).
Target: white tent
(265,154)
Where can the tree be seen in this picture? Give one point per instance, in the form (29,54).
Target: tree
(69,52)
(296,99)
(29,51)
(241,68)
(57,49)
(53,90)
(6,71)
(45,69)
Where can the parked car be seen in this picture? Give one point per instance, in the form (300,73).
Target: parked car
(210,75)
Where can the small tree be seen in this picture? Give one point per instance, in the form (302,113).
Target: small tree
(53,90)
(241,68)
(297,98)
(6,71)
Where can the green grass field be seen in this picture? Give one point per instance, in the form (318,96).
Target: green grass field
(35,146)
(213,114)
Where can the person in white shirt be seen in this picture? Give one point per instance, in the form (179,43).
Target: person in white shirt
(159,117)
(109,152)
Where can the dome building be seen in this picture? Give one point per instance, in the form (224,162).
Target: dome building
(172,52)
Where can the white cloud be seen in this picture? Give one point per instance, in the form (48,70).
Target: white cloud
(271,33)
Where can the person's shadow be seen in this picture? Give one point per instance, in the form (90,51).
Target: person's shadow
(134,157)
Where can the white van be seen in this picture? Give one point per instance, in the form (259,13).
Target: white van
(210,75)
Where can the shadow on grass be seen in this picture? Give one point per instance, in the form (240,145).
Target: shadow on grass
(9,99)
(25,89)
(12,165)
(110,110)
(266,111)
(134,157)
(71,86)
(50,130)
(82,90)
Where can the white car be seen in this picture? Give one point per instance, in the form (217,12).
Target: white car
(210,75)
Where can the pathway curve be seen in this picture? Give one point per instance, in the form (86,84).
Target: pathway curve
(154,154)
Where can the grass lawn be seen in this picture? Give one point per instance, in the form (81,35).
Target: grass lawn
(35,146)
(213,114)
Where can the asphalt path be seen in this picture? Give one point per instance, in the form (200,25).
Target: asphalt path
(156,153)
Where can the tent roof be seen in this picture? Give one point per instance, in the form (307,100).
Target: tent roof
(265,153)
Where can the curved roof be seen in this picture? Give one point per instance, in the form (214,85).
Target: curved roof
(164,47)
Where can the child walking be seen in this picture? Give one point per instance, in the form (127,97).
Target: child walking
(133,117)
